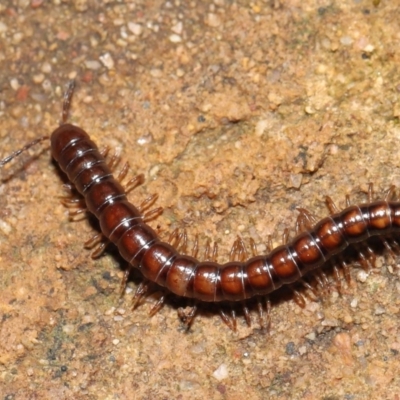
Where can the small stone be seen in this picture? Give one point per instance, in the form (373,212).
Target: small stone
(261,126)
(81,5)
(379,310)
(68,329)
(309,110)
(46,68)
(92,64)
(177,28)
(221,372)
(38,78)
(3,27)
(14,84)
(369,48)
(296,180)
(362,276)
(136,29)
(213,20)
(354,303)
(346,40)
(174,38)
(107,60)
(302,350)
(156,73)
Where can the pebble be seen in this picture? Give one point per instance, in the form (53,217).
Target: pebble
(379,310)
(136,29)
(346,40)
(3,27)
(213,20)
(177,28)
(261,126)
(38,78)
(92,64)
(296,180)
(14,84)
(46,68)
(221,373)
(354,303)
(107,60)
(5,227)
(362,276)
(156,73)
(174,38)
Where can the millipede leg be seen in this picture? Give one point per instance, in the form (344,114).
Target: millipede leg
(253,247)
(158,306)
(285,236)
(389,247)
(77,215)
(260,311)
(104,151)
(195,248)
(150,215)
(310,288)
(134,183)
(187,317)
(246,314)
(147,202)
(337,278)
(305,220)
(264,318)
(346,271)
(331,205)
(214,253)
(269,308)
(269,244)
(325,280)
(370,193)
(122,173)
(173,238)
(114,160)
(123,283)
(230,322)
(234,319)
(390,194)
(320,282)
(141,291)
(98,242)
(299,298)
(207,251)
(238,251)
(183,242)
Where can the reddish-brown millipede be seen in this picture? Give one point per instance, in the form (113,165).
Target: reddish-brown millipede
(123,224)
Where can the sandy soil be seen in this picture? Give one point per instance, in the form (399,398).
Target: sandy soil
(237,113)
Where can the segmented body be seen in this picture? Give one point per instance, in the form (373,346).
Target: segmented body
(159,262)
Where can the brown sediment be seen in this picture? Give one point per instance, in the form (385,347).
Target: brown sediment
(236,116)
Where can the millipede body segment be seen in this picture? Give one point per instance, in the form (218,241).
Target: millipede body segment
(159,262)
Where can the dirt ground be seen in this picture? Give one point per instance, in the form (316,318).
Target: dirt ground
(237,113)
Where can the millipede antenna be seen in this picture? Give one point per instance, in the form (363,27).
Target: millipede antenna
(7,159)
(67,101)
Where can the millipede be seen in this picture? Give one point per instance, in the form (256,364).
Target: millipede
(163,264)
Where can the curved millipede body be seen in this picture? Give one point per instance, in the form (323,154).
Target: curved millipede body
(124,225)
(159,262)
